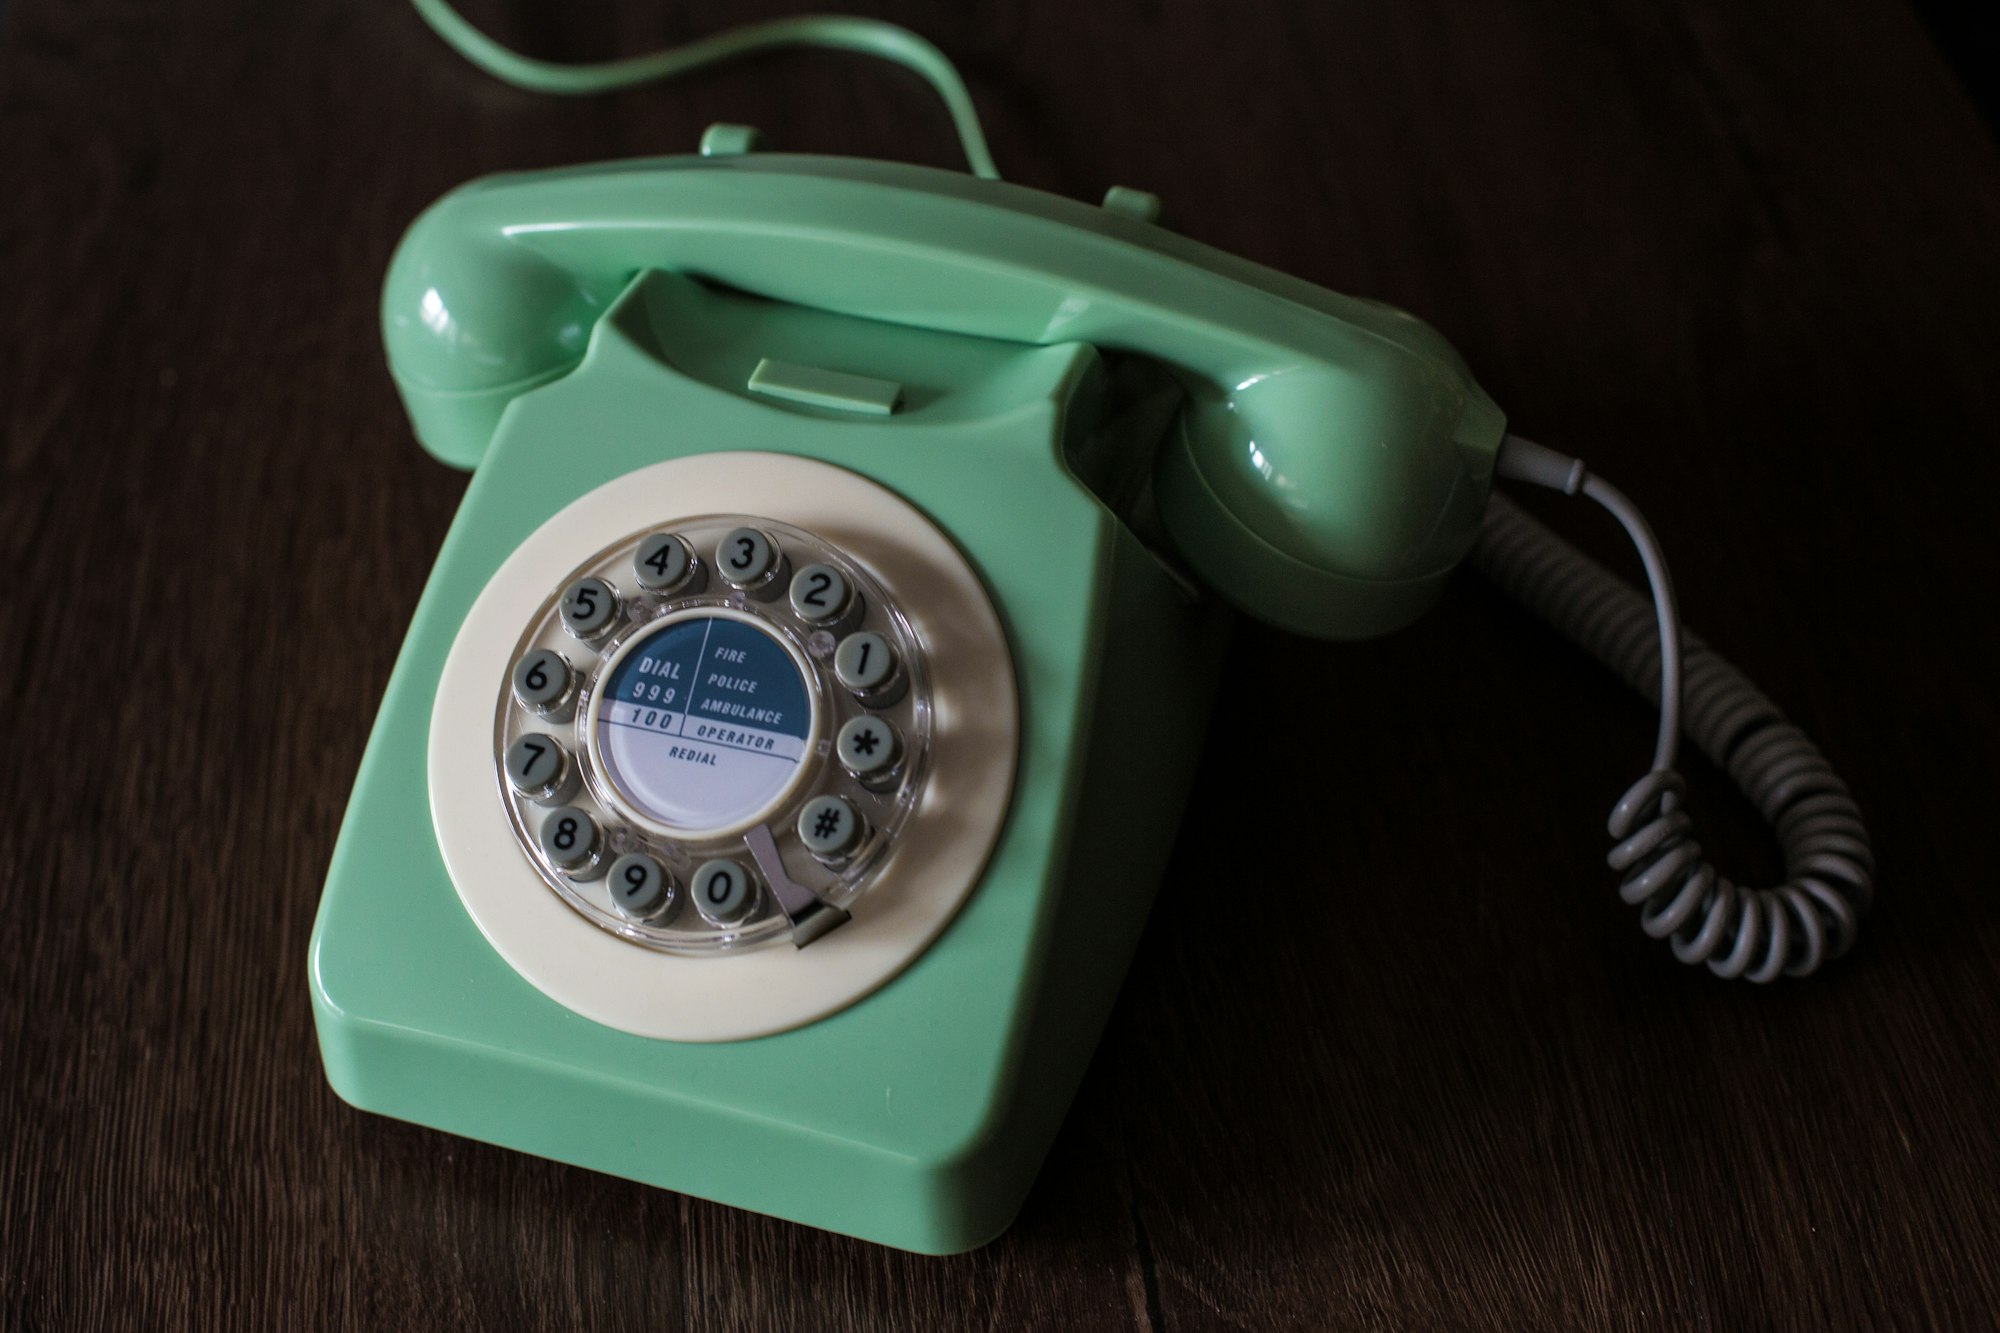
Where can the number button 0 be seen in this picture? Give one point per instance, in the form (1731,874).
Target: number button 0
(589,608)
(639,886)
(722,892)
(662,563)
(867,665)
(820,594)
(539,768)
(569,838)
(747,558)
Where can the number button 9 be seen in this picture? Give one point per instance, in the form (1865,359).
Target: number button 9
(722,892)
(639,886)
(589,608)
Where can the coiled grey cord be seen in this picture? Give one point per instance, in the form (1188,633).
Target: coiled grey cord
(1756,934)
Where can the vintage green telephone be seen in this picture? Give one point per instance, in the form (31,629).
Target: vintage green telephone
(780,766)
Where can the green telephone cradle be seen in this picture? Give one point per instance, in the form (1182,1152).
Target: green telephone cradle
(778,456)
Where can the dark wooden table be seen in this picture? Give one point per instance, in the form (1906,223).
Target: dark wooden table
(1747,263)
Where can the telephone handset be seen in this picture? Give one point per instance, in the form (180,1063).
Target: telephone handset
(1326,471)
(779,768)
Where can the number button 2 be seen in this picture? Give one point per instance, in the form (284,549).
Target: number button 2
(820,594)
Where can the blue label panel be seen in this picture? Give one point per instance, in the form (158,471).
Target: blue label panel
(704,723)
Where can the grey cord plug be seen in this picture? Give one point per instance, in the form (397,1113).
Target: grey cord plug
(1756,934)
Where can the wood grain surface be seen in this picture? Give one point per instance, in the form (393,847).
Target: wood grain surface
(1745,258)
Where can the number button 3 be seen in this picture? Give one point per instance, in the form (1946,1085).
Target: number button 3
(750,560)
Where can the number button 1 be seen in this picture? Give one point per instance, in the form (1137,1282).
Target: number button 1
(722,892)
(539,768)
(867,665)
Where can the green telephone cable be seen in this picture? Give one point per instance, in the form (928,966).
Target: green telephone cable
(872,37)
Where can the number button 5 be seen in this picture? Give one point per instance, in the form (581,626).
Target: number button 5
(589,608)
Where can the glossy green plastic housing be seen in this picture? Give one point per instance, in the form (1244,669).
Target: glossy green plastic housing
(917,1117)
(1332,457)
(1043,380)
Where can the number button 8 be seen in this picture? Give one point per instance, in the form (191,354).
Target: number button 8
(569,839)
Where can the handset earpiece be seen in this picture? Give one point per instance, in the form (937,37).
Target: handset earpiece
(471,321)
(1333,499)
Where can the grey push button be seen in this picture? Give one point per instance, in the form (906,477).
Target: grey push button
(867,665)
(542,681)
(825,388)
(722,892)
(830,828)
(820,594)
(589,608)
(539,768)
(869,748)
(569,839)
(663,563)
(748,558)
(639,886)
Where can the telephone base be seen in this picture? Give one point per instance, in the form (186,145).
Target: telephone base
(917,1116)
